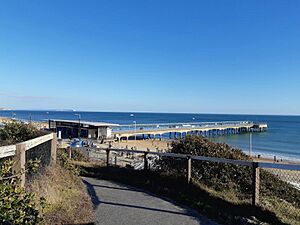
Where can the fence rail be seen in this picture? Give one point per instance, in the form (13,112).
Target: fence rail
(273,165)
(272,186)
(18,152)
(190,159)
(6,151)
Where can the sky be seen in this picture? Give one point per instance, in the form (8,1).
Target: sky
(216,56)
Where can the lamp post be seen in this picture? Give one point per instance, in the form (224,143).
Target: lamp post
(250,143)
(48,120)
(134,130)
(79,117)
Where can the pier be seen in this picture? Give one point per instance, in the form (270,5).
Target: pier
(181,130)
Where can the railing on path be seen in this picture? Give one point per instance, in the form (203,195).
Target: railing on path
(43,147)
(190,159)
(274,187)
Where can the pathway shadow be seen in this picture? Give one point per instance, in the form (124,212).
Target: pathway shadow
(96,201)
(117,188)
(147,208)
(92,193)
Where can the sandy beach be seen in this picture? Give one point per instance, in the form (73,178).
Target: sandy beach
(152,145)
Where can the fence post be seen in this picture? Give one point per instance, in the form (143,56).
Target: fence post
(189,169)
(20,162)
(53,148)
(255,184)
(145,161)
(70,153)
(107,157)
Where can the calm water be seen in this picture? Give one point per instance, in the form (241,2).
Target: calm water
(282,138)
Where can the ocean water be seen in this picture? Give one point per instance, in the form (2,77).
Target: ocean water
(282,138)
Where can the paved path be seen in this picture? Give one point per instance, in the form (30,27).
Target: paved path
(117,204)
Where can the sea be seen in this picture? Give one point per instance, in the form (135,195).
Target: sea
(282,138)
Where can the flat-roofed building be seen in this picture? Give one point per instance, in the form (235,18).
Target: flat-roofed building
(83,129)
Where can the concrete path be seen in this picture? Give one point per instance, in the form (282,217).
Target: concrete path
(117,204)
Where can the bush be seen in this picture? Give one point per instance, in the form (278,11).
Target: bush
(14,132)
(16,206)
(78,155)
(221,176)
(65,162)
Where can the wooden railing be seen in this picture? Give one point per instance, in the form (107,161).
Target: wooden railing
(256,166)
(18,152)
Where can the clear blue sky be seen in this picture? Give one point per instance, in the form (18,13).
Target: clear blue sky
(153,55)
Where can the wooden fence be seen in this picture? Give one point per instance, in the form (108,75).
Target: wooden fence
(256,166)
(18,152)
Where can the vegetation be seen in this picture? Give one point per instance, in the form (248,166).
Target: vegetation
(15,132)
(233,182)
(222,176)
(53,195)
(65,195)
(220,191)
(16,205)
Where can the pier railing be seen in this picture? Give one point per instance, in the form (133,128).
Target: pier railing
(159,126)
(271,186)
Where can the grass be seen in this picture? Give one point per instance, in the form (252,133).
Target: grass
(284,210)
(66,199)
(222,206)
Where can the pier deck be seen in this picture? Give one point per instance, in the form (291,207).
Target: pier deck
(180,130)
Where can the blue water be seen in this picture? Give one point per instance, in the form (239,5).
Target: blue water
(282,138)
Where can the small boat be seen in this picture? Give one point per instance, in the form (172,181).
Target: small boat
(131,114)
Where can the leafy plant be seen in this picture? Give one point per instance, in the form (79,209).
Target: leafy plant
(17,206)
(66,162)
(14,132)
(221,176)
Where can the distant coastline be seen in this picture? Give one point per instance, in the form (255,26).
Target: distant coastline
(6,109)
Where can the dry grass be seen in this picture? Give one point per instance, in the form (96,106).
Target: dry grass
(284,210)
(66,197)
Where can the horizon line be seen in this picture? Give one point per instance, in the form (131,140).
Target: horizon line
(164,112)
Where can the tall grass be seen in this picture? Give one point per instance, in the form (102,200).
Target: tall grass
(66,199)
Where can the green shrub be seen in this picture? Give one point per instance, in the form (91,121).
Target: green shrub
(78,155)
(14,132)
(222,176)
(65,161)
(16,206)
(219,176)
